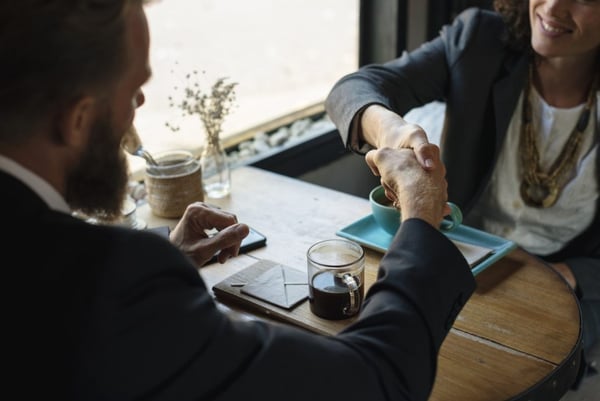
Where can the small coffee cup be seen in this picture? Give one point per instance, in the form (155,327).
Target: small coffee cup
(388,217)
(336,273)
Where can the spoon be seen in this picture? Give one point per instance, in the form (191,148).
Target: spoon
(133,145)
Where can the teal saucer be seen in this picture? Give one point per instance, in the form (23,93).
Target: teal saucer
(367,232)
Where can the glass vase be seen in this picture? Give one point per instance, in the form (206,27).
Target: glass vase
(216,176)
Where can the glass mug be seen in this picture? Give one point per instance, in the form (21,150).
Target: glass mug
(336,272)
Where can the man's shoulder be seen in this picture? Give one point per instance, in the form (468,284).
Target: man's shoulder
(106,252)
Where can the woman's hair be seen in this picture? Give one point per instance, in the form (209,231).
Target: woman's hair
(516,16)
(54,52)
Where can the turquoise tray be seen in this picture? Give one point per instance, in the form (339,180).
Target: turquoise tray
(368,233)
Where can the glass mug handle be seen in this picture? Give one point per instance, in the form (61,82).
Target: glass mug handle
(455,216)
(350,281)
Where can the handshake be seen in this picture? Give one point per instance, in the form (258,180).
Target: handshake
(420,192)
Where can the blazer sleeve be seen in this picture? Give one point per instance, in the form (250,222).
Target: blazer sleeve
(158,335)
(412,80)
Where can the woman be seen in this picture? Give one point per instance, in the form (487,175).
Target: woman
(521,131)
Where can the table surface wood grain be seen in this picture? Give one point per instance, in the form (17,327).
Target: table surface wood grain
(515,337)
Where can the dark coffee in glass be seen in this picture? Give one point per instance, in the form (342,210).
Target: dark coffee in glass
(335,278)
(330,297)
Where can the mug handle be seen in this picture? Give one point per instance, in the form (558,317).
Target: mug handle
(455,218)
(350,281)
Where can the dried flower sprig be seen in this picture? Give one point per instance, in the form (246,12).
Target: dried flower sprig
(212,108)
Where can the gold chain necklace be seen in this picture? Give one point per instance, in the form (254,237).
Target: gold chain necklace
(539,188)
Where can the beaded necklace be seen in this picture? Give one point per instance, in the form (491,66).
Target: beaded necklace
(542,188)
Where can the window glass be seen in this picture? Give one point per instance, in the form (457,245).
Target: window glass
(284,56)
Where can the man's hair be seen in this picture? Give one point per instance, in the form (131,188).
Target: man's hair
(516,16)
(54,52)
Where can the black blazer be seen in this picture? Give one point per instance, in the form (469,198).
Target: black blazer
(109,313)
(480,79)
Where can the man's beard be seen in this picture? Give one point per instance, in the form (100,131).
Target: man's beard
(98,185)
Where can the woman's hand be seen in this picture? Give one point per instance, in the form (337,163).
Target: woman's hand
(382,128)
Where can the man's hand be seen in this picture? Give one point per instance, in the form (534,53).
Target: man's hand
(383,128)
(416,192)
(190,233)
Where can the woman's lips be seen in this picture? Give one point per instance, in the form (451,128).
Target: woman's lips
(551,28)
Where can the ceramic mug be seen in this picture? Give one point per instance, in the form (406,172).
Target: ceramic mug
(388,217)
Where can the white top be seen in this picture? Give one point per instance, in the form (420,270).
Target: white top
(37,184)
(542,231)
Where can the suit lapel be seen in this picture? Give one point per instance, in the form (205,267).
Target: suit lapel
(506,92)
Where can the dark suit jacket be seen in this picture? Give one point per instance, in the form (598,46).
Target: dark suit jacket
(480,79)
(108,313)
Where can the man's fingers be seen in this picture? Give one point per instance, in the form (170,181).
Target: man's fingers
(231,236)
(228,241)
(447,210)
(220,219)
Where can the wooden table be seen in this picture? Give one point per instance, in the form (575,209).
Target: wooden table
(518,337)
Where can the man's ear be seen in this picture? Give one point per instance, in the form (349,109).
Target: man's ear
(76,121)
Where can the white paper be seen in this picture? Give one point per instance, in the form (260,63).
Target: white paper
(473,253)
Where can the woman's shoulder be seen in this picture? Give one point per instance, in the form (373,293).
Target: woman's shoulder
(475,28)
(475,15)
(476,20)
